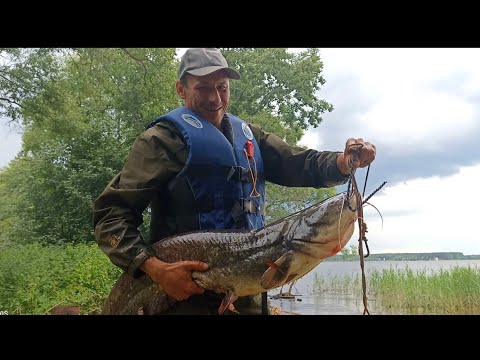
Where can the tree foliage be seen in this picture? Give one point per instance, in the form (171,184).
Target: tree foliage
(280,82)
(350,252)
(283,201)
(81,110)
(81,113)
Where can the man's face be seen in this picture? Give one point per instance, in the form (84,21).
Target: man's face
(207,95)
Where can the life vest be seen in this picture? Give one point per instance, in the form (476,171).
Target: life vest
(222,184)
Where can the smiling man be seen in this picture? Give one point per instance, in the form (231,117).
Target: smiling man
(201,168)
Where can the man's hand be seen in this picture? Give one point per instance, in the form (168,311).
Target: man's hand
(174,278)
(365,154)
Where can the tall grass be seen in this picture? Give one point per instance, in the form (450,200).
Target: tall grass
(35,278)
(453,291)
(404,291)
(337,284)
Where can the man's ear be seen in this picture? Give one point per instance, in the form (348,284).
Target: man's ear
(180,89)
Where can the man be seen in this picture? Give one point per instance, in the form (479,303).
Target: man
(201,168)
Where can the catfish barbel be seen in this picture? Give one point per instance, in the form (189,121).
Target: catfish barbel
(244,262)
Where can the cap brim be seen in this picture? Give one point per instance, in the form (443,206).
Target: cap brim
(232,74)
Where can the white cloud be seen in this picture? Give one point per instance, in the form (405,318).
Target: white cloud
(405,107)
(312,140)
(410,119)
(400,66)
(434,214)
(410,102)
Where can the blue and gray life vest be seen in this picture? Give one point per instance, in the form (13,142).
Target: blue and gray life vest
(226,181)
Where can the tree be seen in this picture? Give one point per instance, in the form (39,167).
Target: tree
(282,83)
(81,110)
(350,252)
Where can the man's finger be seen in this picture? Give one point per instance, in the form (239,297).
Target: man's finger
(350,141)
(195,265)
(367,154)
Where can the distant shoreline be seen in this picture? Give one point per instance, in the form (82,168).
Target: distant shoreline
(407,256)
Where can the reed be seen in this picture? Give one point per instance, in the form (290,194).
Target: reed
(404,291)
(452,291)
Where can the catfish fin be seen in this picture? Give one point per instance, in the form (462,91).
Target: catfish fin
(271,263)
(228,300)
(277,273)
(231,307)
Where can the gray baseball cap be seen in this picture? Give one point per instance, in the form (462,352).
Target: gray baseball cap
(203,61)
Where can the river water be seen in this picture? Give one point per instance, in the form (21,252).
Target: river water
(310,302)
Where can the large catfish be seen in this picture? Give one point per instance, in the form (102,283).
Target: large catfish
(245,262)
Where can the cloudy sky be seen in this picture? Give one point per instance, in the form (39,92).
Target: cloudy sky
(421,108)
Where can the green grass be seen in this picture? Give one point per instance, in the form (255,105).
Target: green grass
(337,284)
(403,291)
(35,278)
(453,291)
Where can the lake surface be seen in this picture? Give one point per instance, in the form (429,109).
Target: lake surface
(325,303)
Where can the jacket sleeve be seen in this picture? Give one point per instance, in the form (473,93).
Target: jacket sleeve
(294,166)
(151,163)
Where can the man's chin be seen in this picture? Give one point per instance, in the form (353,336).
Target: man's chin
(213,116)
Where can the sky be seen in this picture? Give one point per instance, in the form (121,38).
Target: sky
(10,142)
(421,109)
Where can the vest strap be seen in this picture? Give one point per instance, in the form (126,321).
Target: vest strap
(245,206)
(239,173)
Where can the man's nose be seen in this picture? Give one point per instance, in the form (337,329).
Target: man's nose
(214,95)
